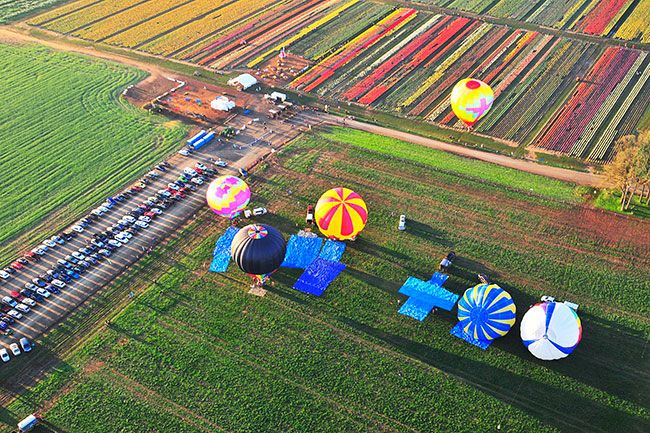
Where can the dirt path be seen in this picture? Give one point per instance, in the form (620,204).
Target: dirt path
(580,178)
(10,35)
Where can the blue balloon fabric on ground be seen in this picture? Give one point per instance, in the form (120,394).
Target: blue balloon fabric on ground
(301,251)
(332,250)
(457,331)
(318,276)
(221,251)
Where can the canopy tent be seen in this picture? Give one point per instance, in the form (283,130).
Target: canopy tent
(222,103)
(244,81)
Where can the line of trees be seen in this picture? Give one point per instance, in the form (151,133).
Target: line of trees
(630,168)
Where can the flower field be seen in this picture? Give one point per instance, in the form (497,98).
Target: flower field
(595,17)
(405,60)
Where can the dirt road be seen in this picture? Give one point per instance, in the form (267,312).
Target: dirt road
(580,178)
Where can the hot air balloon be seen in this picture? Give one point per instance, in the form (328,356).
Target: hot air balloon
(551,330)
(486,312)
(228,195)
(341,214)
(258,250)
(471,99)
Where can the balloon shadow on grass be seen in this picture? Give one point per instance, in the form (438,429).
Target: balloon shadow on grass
(549,404)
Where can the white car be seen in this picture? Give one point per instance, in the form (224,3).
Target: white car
(77,255)
(201,166)
(44,293)
(78,229)
(126,234)
(142,224)
(190,172)
(22,307)
(4,355)
(129,218)
(153,174)
(156,211)
(28,302)
(15,314)
(197,180)
(184,152)
(121,238)
(9,301)
(144,218)
(58,283)
(97,212)
(260,211)
(50,243)
(39,251)
(14,349)
(173,186)
(115,243)
(164,193)
(103,209)
(4,275)
(402,222)
(221,163)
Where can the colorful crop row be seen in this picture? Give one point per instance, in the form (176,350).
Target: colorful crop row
(13,10)
(573,118)
(596,17)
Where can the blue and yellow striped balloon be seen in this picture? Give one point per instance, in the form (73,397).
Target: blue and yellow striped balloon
(486,312)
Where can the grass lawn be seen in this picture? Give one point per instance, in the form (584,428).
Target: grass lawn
(195,353)
(68,139)
(16,9)
(612,202)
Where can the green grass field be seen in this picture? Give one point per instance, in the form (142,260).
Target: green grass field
(68,139)
(16,9)
(195,353)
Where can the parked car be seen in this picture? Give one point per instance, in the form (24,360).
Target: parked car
(142,224)
(197,180)
(46,277)
(184,152)
(243,172)
(53,289)
(58,283)
(189,172)
(104,252)
(68,236)
(4,355)
(121,238)
(15,314)
(14,349)
(22,308)
(4,275)
(8,320)
(77,255)
(3,326)
(50,243)
(38,282)
(115,243)
(9,301)
(58,239)
(78,229)
(44,293)
(17,265)
(24,344)
(156,211)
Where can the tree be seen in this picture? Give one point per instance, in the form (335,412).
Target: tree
(630,168)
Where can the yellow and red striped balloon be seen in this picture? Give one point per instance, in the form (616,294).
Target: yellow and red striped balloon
(341,213)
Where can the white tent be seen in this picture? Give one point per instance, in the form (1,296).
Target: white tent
(279,96)
(222,103)
(244,81)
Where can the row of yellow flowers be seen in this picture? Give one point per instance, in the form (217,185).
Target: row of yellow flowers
(77,19)
(127,18)
(233,13)
(164,23)
(637,24)
(60,11)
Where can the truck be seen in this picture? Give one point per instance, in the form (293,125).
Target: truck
(29,423)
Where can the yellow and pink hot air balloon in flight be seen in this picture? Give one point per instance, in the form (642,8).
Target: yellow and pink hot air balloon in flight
(341,214)
(471,99)
(227,196)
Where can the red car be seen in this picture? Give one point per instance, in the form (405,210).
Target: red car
(30,255)
(150,214)
(17,266)
(17,296)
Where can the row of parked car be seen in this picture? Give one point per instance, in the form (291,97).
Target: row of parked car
(15,349)
(102,245)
